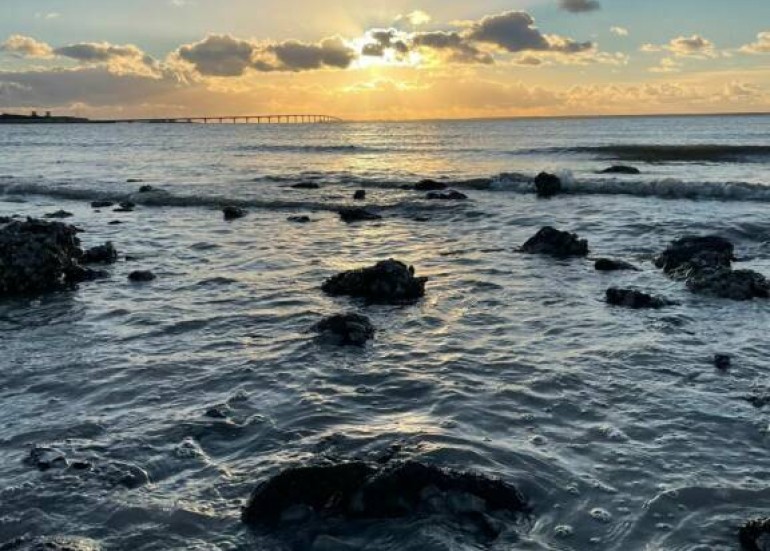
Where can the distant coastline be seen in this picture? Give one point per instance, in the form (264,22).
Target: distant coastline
(34,118)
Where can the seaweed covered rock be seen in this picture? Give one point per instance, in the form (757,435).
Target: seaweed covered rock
(357,214)
(610,265)
(695,253)
(620,169)
(232,212)
(101,254)
(389,281)
(359,490)
(550,241)
(547,185)
(448,196)
(755,535)
(429,185)
(344,329)
(38,256)
(631,298)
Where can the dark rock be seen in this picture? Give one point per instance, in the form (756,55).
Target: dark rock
(344,329)
(59,214)
(45,457)
(141,276)
(556,243)
(450,196)
(620,169)
(609,265)
(755,535)
(146,189)
(758,399)
(429,185)
(360,490)
(727,283)
(102,254)
(118,473)
(357,214)
(114,222)
(125,206)
(695,253)
(631,298)
(389,281)
(306,185)
(299,219)
(359,195)
(722,361)
(134,181)
(219,411)
(38,256)
(101,204)
(547,185)
(231,212)
(81,465)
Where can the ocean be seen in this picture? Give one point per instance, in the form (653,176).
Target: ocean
(614,423)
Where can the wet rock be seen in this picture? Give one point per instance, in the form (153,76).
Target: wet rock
(54,543)
(389,281)
(610,265)
(46,457)
(429,185)
(219,411)
(59,214)
(345,329)
(359,195)
(127,475)
(38,256)
(695,253)
(450,196)
(299,219)
(114,222)
(233,213)
(357,214)
(620,169)
(547,185)
(101,254)
(101,204)
(631,298)
(125,206)
(550,241)
(146,189)
(141,276)
(727,283)
(722,361)
(306,185)
(755,535)
(134,181)
(360,490)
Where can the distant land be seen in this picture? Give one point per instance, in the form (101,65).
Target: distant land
(34,118)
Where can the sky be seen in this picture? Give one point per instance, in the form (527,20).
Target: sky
(384,59)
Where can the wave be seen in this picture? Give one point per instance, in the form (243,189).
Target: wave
(715,153)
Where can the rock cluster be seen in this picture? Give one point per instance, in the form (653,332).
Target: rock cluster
(561,244)
(345,329)
(389,281)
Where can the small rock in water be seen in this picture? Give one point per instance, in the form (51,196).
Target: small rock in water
(602,515)
(547,185)
(125,206)
(609,265)
(119,473)
(694,253)
(620,169)
(726,283)
(146,189)
(631,298)
(755,535)
(219,411)
(114,223)
(101,204)
(141,276)
(102,254)
(45,457)
(561,244)
(233,213)
(299,219)
(359,195)
(59,214)
(345,329)
(356,214)
(450,196)
(429,185)
(722,361)
(389,281)
(306,185)
(134,181)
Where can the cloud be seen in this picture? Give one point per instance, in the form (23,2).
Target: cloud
(579,6)
(49,15)
(619,31)
(416,18)
(456,46)
(25,46)
(761,46)
(685,46)
(514,31)
(293,55)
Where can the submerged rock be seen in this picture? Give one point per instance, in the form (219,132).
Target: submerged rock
(141,276)
(146,189)
(610,265)
(631,298)
(125,206)
(59,214)
(553,242)
(547,185)
(306,185)
(357,214)
(299,219)
(101,204)
(429,185)
(38,256)
(620,169)
(101,254)
(360,490)
(46,457)
(359,195)
(345,329)
(449,196)
(389,281)
(755,535)
(722,361)
(694,253)
(231,212)
(727,283)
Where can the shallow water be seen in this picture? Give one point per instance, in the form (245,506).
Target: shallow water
(613,422)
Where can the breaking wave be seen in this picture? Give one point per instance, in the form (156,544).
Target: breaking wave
(709,153)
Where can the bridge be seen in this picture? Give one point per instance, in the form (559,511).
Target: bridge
(243,119)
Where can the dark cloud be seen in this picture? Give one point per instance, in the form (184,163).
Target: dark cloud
(298,56)
(579,6)
(219,55)
(89,52)
(514,31)
(458,47)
